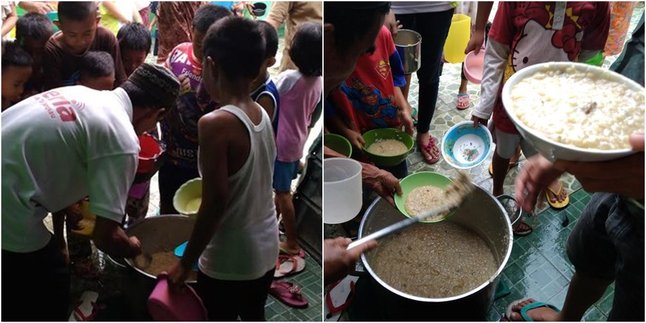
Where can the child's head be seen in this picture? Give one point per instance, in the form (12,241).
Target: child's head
(204,17)
(230,60)
(134,44)
(32,32)
(350,31)
(271,43)
(97,71)
(306,49)
(16,71)
(78,22)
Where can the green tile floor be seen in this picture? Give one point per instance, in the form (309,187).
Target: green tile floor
(539,267)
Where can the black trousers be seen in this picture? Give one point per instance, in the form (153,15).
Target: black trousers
(225,300)
(35,285)
(434,27)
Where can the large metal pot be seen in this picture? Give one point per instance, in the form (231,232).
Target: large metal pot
(481,213)
(158,233)
(409,47)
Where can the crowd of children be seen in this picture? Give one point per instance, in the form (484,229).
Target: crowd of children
(230,104)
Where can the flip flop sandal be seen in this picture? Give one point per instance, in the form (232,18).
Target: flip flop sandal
(287,265)
(288,293)
(463,101)
(431,146)
(549,193)
(349,288)
(86,309)
(524,232)
(525,309)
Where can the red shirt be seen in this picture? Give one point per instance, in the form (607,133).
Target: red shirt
(367,96)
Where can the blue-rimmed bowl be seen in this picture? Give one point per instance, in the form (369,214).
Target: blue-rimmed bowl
(464,146)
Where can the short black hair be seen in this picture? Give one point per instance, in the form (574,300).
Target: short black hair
(14,55)
(35,26)
(208,14)
(237,45)
(97,64)
(306,49)
(134,36)
(271,38)
(352,20)
(76,11)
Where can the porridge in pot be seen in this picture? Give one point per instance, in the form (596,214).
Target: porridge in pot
(387,147)
(434,260)
(572,107)
(159,262)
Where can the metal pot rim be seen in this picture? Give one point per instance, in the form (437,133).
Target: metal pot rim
(366,264)
(131,263)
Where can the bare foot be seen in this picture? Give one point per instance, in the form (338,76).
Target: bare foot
(430,152)
(290,248)
(538,314)
(555,188)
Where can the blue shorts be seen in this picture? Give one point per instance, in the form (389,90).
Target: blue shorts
(284,173)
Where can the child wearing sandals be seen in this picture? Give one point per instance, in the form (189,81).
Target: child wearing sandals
(300,90)
(235,236)
(524,34)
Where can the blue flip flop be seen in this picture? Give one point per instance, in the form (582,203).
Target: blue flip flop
(527,308)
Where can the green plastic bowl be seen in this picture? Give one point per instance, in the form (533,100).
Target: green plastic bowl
(387,133)
(416,180)
(338,143)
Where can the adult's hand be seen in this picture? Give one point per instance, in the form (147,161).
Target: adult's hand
(338,260)
(536,174)
(110,238)
(624,176)
(380,181)
(36,6)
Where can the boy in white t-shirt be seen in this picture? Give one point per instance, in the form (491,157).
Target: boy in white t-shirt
(58,147)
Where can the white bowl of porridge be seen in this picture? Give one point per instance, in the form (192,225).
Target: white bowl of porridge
(387,146)
(575,111)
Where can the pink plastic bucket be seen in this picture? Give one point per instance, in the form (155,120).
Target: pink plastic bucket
(184,305)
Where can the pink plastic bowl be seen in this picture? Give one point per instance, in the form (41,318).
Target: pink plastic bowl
(473,65)
(185,305)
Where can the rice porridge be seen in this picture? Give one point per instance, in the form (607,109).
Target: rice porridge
(582,109)
(159,262)
(387,147)
(434,260)
(424,198)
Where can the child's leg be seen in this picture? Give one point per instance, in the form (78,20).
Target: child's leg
(286,206)
(463,81)
(219,297)
(506,144)
(284,172)
(255,294)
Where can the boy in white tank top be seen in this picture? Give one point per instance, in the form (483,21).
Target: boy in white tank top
(235,236)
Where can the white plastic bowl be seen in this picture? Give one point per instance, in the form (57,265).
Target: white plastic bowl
(551,149)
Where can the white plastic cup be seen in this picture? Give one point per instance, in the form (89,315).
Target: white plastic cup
(342,190)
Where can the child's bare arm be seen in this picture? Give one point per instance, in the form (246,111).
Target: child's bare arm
(214,139)
(267,103)
(353,136)
(405,111)
(10,21)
